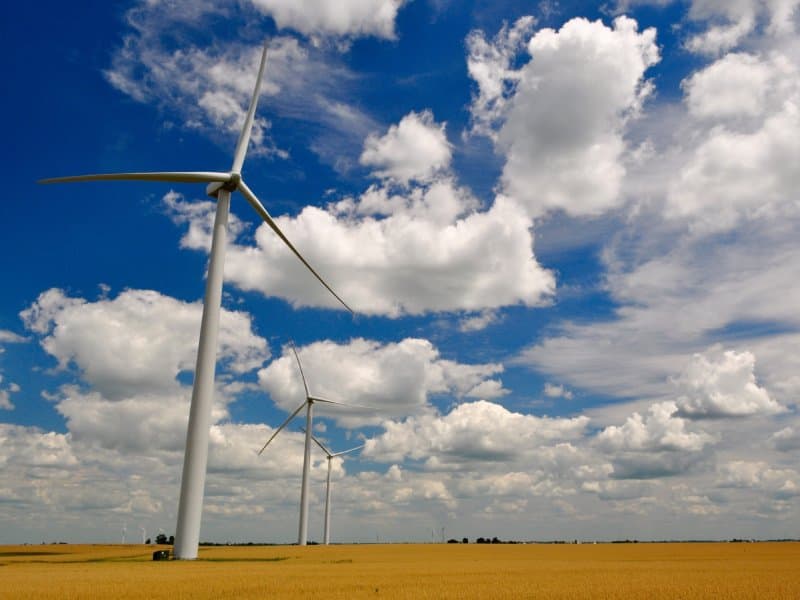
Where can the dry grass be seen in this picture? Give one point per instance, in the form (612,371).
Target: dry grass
(762,570)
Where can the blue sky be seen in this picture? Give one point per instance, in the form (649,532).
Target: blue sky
(569,232)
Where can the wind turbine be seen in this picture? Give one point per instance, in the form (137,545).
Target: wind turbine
(124,531)
(220,186)
(308,404)
(330,456)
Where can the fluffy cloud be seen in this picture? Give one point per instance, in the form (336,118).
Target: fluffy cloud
(552,390)
(747,108)
(343,18)
(723,384)
(426,250)
(208,88)
(563,118)
(660,430)
(394,378)
(5,394)
(138,342)
(129,351)
(780,484)
(656,445)
(731,22)
(734,86)
(144,423)
(471,432)
(414,149)
(736,176)
(31,447)
(489,64)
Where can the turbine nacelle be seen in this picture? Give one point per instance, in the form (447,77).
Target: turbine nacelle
(230,185)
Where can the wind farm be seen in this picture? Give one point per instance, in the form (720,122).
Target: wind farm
(552,246)
(220,186)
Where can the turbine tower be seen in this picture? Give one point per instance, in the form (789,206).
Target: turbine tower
(220,185)
(330,456)
(308,403)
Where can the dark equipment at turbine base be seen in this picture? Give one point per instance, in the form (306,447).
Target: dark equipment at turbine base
(161,555)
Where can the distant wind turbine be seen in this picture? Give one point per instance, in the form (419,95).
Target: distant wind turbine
(308,403)
(144,534)
(330,456)
(220,186)
(124,531)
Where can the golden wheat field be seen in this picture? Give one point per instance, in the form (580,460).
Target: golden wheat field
(674,571)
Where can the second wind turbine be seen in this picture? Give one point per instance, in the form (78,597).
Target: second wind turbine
(308,404)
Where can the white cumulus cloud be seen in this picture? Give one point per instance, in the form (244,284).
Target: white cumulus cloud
(414,149)
(731,22)
(341,18)
(139,341)
(564,116)
(475,431)
(723,384)
(395,378)
(425,250)
(655,445)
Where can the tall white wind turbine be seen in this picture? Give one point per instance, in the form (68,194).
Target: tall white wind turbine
(220,186)
(308,403)
(330,456)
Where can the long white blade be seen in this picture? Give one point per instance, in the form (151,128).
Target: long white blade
(284,424)
(320,444)
(346,405)
(244,136)
(300,366)
(168,176)
(262,212)
(347,451)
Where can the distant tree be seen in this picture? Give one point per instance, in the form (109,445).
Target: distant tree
(465,541)
(172,540)
(452,541)
(161,538)
(147,542)
(495,540)
(481,540)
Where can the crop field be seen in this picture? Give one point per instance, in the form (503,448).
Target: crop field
(757,570)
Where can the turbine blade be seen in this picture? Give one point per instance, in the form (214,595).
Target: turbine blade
(244,136)
(326,401)
(259,208)
(284,424)
(299,364)
(168,176)
(348,451)
(321,445)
